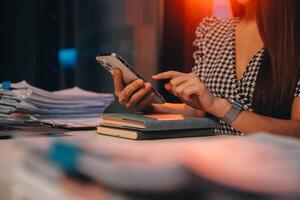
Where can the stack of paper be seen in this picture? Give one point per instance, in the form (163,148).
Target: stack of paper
(75,106)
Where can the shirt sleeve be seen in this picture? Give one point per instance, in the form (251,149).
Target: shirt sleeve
(199,55)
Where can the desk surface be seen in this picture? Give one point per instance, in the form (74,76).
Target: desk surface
(11,152)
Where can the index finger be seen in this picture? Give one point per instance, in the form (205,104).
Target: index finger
(118,81)
(167,75)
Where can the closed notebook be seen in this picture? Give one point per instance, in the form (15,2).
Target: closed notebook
(158,126)
(157,122)
(152,135)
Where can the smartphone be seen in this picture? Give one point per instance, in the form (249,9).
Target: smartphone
(112,61)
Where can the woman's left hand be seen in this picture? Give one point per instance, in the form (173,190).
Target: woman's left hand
(188,88)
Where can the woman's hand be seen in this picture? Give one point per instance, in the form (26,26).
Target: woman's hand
(189,89)
(136,96)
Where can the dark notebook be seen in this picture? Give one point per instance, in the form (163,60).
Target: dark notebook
(133,126)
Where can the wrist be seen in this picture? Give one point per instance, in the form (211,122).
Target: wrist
(220,107)
(157,108)
(150,109)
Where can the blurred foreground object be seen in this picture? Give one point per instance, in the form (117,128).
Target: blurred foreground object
(262,166)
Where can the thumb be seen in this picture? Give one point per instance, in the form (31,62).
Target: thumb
(118,81)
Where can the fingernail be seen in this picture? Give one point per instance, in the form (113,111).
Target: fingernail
(168,86)
(117,71)
(123,95)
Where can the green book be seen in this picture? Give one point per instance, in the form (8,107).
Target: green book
(155,126)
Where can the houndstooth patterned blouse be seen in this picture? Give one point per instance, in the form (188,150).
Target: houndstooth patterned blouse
(215,64)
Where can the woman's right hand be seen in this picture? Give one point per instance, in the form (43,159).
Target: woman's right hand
(136,96)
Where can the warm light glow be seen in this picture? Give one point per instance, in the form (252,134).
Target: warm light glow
(222,9)
(193,7)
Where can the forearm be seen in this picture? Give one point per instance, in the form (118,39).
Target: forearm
(249,122)
(176,108)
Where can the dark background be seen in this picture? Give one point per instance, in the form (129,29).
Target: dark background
(33,31)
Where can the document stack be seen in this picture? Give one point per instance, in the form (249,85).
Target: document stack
(70,108)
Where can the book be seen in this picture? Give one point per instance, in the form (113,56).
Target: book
(152,135)
(156,122)
(155,126)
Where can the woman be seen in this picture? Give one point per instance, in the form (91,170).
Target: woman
(246,73)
